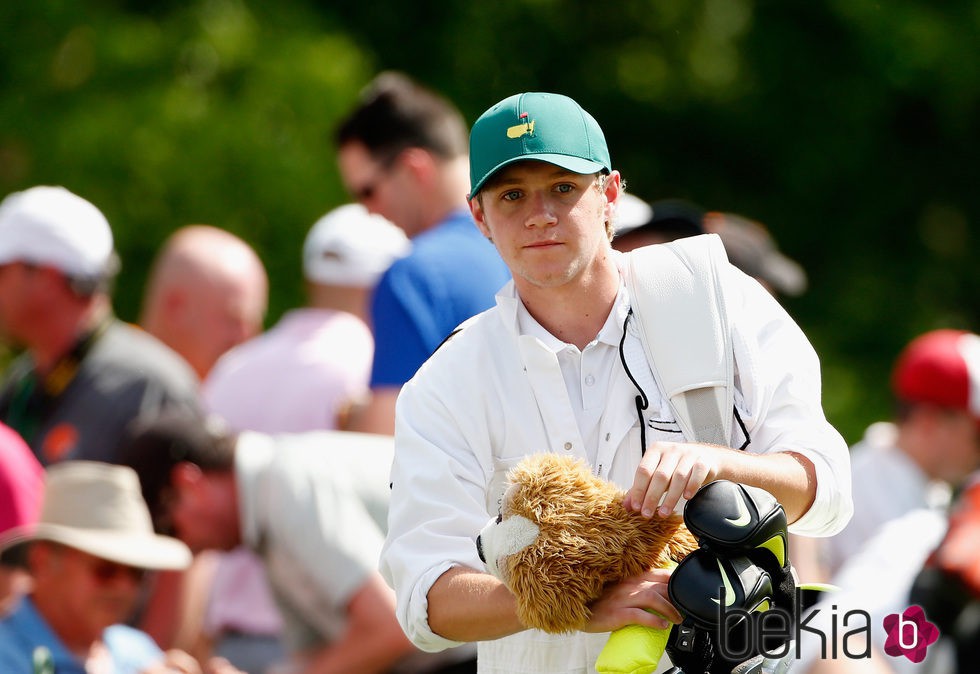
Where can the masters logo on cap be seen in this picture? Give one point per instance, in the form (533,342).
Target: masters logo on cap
(536,126)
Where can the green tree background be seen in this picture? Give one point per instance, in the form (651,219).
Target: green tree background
(850,128)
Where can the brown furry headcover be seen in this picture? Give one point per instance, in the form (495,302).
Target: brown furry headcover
(587,539)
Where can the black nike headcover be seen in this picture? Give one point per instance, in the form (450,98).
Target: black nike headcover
(716,595)
(734,519)
(741,569)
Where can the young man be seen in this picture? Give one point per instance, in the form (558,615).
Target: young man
(542,371)
(402,154)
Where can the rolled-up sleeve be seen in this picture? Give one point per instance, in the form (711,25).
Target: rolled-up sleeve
(438,502)
(780,402)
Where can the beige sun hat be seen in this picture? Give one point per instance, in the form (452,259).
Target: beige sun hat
(98,508)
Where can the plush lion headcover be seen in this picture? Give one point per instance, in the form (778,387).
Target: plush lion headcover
(563,535)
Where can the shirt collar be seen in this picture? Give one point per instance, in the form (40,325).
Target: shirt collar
(28,621)
(253,453)
(611,332)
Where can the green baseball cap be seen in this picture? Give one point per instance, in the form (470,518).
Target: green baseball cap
(544,127)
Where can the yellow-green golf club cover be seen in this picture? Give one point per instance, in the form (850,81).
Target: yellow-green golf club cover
(634,649)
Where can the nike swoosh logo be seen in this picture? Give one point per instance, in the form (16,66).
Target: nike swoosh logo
(729,590)
(743,514)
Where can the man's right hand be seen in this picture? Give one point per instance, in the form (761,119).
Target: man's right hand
(637,600)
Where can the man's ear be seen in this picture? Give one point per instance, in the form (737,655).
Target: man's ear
(39,554)
(185,475)
(479,217)
(420,163)
(174,303)
(613,189)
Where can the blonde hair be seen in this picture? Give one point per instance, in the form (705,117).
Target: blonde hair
(600,184)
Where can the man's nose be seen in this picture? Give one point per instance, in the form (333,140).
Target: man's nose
(542,212)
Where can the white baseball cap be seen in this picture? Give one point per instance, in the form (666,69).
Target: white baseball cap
(51,226)
(351,247)
(631,212)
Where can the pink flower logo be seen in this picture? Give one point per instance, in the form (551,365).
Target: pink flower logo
(909,634)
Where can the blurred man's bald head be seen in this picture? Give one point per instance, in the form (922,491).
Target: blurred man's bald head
(207,291)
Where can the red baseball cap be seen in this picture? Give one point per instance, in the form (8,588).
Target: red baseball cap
(941,367)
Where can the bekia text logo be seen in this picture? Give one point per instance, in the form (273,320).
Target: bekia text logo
(742,633)
(909,634)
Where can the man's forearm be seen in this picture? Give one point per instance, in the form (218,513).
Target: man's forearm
(468,605)
(358,651)
(789,477)
(373,640)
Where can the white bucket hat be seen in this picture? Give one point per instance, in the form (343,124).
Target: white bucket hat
(98,508)
(47,225)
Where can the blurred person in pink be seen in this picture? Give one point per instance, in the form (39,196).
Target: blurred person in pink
(310,371)
(21,491)
(207,292)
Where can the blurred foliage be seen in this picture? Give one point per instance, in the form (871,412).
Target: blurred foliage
(848,127)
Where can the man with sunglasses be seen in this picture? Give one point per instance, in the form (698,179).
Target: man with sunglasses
(87,555)
(402,153)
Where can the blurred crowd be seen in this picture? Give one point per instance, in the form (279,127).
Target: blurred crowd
(197,494)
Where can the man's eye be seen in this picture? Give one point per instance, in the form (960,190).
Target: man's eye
(564,188)
(512,195)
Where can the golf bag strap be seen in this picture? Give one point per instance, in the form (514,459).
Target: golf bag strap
(679,305)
